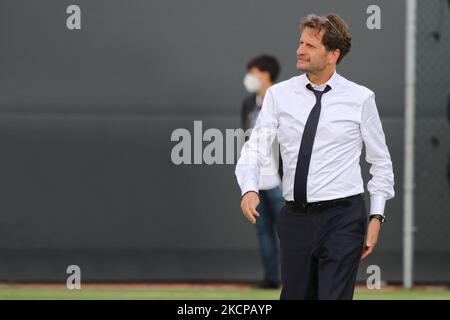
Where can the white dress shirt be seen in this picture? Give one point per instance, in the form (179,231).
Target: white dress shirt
(266,181)
(348,117)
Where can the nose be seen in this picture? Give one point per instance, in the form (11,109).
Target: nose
(300,50)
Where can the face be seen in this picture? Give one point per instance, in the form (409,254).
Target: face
(312,56)
(263,75)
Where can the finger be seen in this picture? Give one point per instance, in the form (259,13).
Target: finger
(366,252)
(254,212)
(363,253)
(248,214)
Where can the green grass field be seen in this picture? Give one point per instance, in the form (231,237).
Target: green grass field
(188,292)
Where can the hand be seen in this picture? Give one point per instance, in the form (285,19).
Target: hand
(373,230)
(249,203)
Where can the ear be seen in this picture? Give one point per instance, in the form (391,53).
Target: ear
(266,76)
(334,56)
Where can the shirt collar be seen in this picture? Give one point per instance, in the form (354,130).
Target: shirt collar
(332,82)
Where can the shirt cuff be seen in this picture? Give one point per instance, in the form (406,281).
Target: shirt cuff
(249,186)
(377,203)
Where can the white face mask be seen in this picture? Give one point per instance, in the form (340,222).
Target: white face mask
(252,83)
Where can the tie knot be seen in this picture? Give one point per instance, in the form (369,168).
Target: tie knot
(318,93)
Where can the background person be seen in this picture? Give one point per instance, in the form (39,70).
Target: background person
(262,72)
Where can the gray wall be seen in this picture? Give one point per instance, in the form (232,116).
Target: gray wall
(432,141)
(86,118)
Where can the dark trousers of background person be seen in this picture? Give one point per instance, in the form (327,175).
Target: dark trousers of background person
(321,249)
(271,202)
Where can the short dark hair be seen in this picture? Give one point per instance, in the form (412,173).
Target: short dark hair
(266,63)
(337,33)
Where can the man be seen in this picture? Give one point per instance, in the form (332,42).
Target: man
(321,121)
(262,72)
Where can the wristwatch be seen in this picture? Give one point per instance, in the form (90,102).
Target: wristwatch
(379,217)
(248,192)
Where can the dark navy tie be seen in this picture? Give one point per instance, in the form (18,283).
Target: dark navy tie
(306,146)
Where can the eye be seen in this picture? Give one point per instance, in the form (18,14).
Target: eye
(307,44)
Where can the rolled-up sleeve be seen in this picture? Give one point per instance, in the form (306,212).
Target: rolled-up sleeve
(381,185)
(256,154)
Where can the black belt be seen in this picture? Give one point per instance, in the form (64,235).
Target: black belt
(320,205)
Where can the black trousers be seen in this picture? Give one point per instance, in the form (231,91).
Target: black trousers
(320,249)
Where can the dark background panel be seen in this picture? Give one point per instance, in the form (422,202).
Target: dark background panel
(175,56)
(86,119)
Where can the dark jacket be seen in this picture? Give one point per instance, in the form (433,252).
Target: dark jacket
(248,106)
